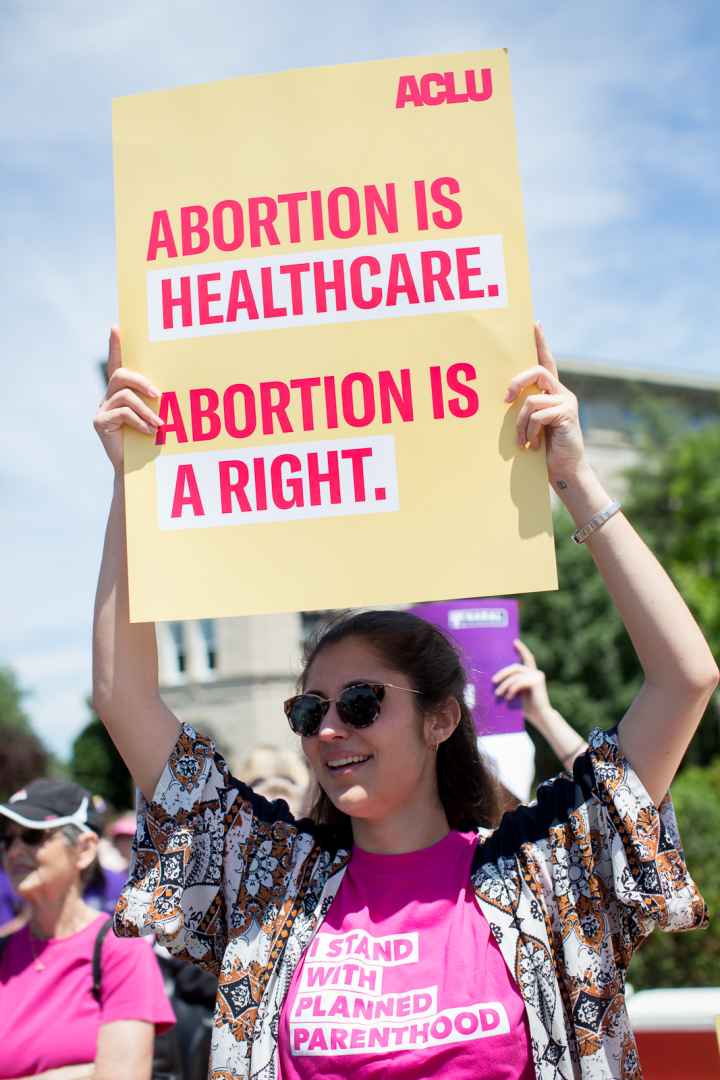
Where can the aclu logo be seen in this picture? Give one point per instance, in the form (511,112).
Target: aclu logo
(444,88)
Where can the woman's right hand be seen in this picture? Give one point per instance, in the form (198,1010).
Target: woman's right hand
(123,404)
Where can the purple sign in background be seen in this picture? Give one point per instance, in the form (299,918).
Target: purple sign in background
(485,631)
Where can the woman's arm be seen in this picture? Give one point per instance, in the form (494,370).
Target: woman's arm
(124,1050)
(125,682)
(680,672)
(67,1072)
(527,679)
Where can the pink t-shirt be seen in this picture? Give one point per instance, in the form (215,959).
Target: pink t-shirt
(49,1016)
(404,979)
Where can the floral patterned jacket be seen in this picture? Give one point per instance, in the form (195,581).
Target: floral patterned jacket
(570,885)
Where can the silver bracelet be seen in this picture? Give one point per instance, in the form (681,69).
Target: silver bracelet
(596,522)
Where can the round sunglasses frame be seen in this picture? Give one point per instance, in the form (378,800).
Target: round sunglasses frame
(343,707)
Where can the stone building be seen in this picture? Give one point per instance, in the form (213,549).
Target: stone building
(614,399)
(229,677)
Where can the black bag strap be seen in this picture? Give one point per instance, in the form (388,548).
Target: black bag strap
(97,960)
(4,938)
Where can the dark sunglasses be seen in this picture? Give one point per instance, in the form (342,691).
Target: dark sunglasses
(358,705)
(31,838)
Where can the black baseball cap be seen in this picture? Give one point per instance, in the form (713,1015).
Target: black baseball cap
(49,804)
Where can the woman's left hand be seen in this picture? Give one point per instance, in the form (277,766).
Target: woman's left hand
(527,679)
(554,411)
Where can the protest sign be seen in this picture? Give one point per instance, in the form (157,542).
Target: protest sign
(484,631)
(325,273)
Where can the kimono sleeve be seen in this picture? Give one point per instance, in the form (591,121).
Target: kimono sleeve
(197,842)
(614,859)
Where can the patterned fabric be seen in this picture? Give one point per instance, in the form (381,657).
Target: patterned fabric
(571,886)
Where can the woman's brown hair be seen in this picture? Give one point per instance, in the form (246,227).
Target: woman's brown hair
(418,650)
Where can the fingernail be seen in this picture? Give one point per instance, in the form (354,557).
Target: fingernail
(508,395)
(153,391)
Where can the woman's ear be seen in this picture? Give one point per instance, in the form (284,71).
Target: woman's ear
(86,850)
(440,724)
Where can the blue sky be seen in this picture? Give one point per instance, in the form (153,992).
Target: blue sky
(616,112)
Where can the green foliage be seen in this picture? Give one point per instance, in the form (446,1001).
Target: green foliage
(22,755)
(690,959)
(12,715)
(674,495)
(96,764)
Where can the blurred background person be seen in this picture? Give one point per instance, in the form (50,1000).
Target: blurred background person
(101,885)
(105,880)
(120,835)
(22,758)
(277,773)
(54,1018)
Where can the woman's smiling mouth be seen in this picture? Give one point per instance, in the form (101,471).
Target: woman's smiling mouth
(347,762)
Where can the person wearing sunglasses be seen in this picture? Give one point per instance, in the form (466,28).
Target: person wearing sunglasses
(401,930)
(53,1025)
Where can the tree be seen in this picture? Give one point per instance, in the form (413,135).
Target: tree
(690,959)
(12,715)
(579,641)
(22,758)
(96,764)
(674,497)
(22,755)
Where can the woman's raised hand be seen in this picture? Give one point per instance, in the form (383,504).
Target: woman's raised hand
(524,678)
(554,411)
(123,404)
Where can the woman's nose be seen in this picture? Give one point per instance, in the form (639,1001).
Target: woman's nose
(331,726)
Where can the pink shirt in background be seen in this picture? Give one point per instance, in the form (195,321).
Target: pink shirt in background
(404,979)
(49,1016)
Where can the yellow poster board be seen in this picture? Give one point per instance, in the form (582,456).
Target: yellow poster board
(325,273)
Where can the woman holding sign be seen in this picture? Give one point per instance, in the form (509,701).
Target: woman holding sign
(391,933)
